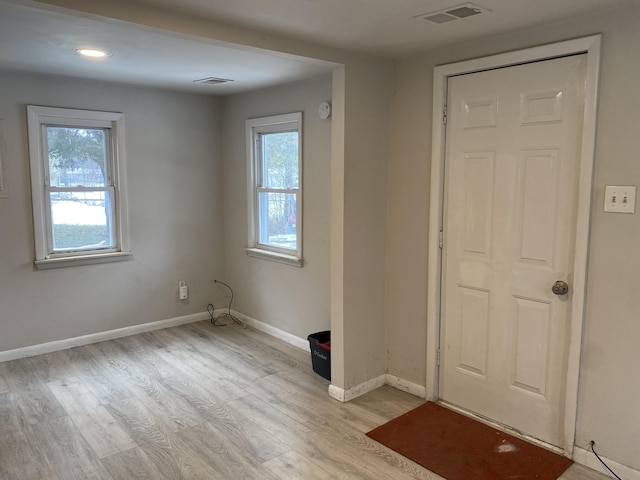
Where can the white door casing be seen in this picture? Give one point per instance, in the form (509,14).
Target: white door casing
(531,165)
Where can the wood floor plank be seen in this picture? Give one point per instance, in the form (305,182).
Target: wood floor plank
(36,404)
(373,410)
(388,402)
(293,356)
(293,466)
(196,372)
(95,423)
(175,412)
(17,458)
(271,389)
(217,450)
(580,472)
(274,355)
(234,360)
(188,384)
(380,461)
(4,385)
(143,356)
(132,465)
(29,372)
(19,374)
(97,376)
(246,436)
(9,412)
(63,451)
(265,415)
(302,439)
(234,345)
(163,447)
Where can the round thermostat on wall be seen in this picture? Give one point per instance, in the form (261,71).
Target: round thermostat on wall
(324,110)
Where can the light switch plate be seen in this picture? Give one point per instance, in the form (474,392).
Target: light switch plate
(620,199)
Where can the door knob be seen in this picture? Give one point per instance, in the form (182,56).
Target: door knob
(560,288)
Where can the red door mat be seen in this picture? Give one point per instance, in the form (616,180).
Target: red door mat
(457,447)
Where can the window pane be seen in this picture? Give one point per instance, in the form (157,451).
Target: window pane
(77,156)
(277,219)
(280,160)
(81,220)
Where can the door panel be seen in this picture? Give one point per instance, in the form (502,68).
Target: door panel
(512,162)
(537,206)
(474,330)
(478,192)
(530,346)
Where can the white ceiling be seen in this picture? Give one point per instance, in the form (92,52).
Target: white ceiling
(43,40)
(384,27)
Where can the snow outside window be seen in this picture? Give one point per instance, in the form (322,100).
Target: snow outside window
(77,177)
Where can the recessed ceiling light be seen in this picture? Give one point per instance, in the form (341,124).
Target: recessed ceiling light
(93,53)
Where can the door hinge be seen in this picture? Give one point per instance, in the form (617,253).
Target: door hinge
(438,357)
(444,115)
(441,239)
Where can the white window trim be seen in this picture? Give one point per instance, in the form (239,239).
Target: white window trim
(255,249)
(38,116)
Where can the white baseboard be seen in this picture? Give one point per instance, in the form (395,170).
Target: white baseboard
(58,345)
(336,393)
(588,459)
(343,395)
(406,386)
(287,337)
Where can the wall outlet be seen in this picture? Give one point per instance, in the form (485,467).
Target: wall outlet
(184,291)
(620,199)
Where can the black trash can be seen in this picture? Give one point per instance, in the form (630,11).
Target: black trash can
(320,344)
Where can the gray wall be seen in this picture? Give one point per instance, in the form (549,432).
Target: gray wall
(292,299)
(609,383)
(174,173)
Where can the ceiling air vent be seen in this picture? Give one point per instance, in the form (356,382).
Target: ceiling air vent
(453,13)
(212,80)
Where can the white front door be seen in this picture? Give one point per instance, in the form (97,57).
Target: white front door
(513,140)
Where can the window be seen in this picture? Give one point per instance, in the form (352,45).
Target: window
(274,146)
(78,186)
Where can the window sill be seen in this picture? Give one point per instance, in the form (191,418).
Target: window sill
(275,257)
(60,262)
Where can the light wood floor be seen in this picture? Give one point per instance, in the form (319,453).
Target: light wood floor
(192,402)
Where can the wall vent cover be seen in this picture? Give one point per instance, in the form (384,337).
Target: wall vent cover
(453,13)
(212,80)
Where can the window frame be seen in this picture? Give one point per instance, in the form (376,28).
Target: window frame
(255,127)
(39,118)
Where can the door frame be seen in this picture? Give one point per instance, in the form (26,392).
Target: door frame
(591,47)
